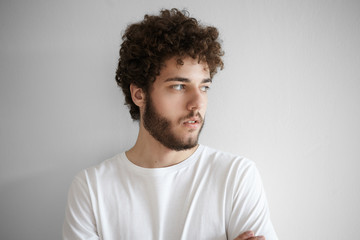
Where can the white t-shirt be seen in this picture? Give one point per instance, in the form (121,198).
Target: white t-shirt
(210,195)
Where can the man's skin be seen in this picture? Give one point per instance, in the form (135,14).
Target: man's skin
(178,92)
(249,235)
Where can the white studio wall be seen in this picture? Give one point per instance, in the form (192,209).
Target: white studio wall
(288,99)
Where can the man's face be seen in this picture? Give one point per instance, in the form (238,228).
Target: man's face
(176,104)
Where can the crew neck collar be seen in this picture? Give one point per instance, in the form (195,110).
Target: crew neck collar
(163,170)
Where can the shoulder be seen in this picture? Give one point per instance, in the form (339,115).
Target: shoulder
(105,169)
(227,164)
(218,157)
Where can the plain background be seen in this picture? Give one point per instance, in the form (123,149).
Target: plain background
(288,99)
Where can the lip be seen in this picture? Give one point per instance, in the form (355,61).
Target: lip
(192,123)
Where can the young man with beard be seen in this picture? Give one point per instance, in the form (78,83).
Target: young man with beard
(167,186)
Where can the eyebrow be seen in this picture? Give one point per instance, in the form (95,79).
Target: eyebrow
(179,79)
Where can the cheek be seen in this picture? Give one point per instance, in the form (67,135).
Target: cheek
(205,103)
(167,105)
(203,111)
(172,108)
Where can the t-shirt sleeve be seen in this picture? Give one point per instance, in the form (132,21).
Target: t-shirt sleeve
(79,220)
(250,209)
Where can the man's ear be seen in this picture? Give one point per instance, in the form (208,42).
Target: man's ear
(137,95)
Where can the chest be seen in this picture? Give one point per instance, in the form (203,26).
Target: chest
(180,206)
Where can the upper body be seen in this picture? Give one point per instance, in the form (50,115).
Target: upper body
(210,195)
(165,69)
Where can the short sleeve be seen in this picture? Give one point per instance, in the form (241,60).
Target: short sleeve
(250,209)
(79,217)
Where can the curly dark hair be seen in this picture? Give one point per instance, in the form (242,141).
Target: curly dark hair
(149,43)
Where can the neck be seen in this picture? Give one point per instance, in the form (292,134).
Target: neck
(149,153)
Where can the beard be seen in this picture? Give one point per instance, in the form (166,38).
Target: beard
(160,128)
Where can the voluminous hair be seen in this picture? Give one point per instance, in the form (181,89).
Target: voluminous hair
(148,44)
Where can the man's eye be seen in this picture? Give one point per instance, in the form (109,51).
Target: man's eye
(205,88)
(178,87)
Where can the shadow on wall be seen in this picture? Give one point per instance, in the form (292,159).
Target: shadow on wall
(33,207)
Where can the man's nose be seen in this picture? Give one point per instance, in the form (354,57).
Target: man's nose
(196,100)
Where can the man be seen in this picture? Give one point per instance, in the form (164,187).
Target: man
(167,186)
